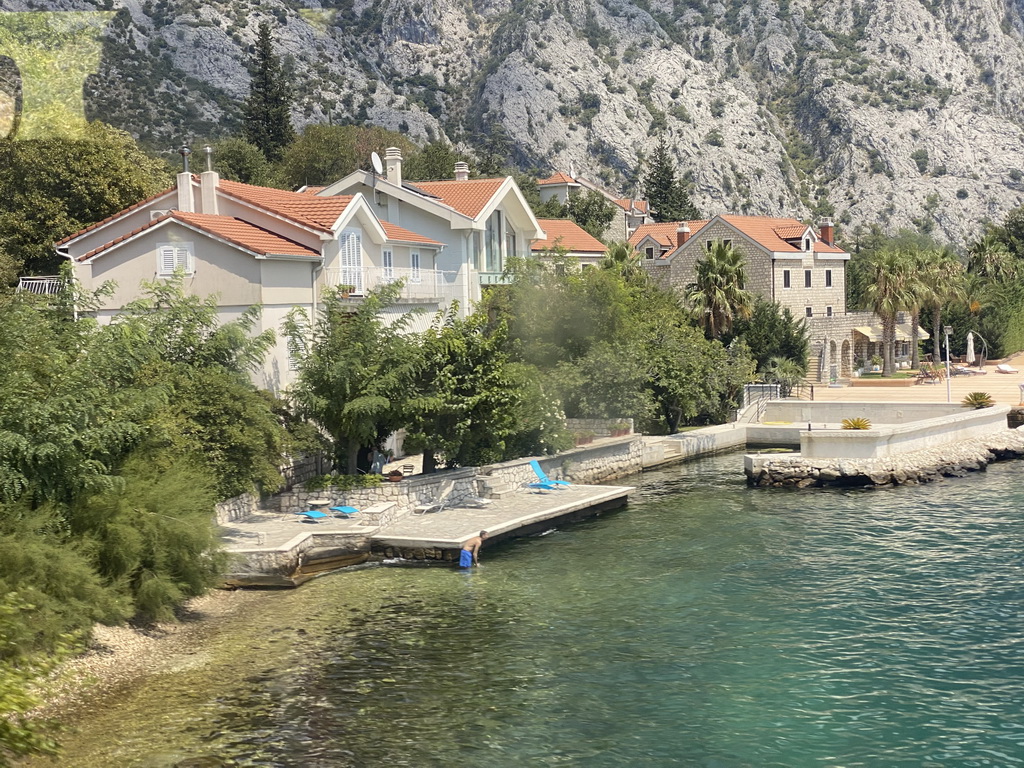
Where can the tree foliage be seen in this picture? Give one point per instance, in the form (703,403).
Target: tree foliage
(772,332)
(326,153)
(717,294)
(592,211)
(267,111)
(666,194)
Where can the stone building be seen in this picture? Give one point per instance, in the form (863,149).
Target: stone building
(787,262)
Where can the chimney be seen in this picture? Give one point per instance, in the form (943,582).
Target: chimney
(825,227)
(462,171)
(209,180)
(186,203)
(393,165)
(682,233)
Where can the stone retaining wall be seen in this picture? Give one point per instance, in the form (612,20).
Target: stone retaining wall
(951,460)
(600,427)
(607,460)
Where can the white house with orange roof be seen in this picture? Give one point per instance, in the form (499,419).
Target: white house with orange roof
(255,245)
(787,262)
(482,222)
(568,237)
(630,213)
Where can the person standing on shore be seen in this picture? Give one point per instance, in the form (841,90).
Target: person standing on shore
(468,557)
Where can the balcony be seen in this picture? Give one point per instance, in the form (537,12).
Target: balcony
(42,286)
(420,285)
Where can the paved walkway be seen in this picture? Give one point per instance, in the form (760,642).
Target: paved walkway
(1002,387)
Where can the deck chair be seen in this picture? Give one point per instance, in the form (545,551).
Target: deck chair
(344,513)
(543,478)
(439,503)
(1005,368)
(312,515)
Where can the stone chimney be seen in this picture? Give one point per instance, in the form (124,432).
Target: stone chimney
(393,165)
(186,201)
(209,180)
(462,171)
(825,231)
(682,233)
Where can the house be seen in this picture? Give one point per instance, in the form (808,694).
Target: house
(630,213)
(570,237)
(787,262)
(481,222)
(255,245)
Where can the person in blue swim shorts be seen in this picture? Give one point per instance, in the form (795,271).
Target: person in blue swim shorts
(468,557)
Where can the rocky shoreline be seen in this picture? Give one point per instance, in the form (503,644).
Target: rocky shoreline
(952,460)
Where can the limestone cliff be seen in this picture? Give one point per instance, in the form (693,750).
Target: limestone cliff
(903,113)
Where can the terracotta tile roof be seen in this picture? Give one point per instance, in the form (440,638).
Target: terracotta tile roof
(664,233)
(765,231)
(311,190)
(236,231)
(557,178)
(402,235)
(466,197)
(129,209)
(562,233)
(316,212)
(246,235)
(629,204)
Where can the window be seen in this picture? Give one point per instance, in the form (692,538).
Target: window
(492,243)
(510,242)
(172,256)
(807,244)
(351,247)
(727,243)
(807,278)
(388,257)
(828,311)
(828,278)
(785,278)
(808,311)
(708,244)
(649,252)
(414,263)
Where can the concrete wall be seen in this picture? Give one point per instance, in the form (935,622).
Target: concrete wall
(594,463)
(797,411)
(902,438)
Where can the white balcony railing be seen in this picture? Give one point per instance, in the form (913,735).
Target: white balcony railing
(44,286)
(419,284)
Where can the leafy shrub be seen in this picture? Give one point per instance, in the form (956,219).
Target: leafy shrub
(978,400)
(342,482)
(857,422)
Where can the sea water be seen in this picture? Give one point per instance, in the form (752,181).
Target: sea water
(706,624)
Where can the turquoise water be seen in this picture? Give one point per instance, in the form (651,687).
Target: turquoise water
(707,624)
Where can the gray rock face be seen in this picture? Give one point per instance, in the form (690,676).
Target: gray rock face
(898,113)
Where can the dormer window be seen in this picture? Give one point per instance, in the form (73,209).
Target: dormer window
(807,244)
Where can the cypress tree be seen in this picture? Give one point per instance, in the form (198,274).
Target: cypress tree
(267,111)
(666,195)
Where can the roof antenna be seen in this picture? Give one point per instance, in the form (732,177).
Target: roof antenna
(185,152)
(209,157)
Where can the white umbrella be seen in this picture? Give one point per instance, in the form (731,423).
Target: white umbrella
(970,348)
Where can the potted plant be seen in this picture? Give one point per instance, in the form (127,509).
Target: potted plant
(584,437)
(619,428)
(876,363)
(394,475)
(346,290)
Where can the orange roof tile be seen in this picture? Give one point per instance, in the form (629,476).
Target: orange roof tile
(120,213)
(246,235)
(122,238)
(316,212)
(764,230)
(311,190)
(663,233)
(557,178)
(402,235)
(466,197)
(562,233)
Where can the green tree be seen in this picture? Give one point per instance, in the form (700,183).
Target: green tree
(267,111)
(887,294)
(325,153)
(771,331)
(785,372)
(717,294)
(355,371)
(51,188)
(666,195)
(592,211)
(465,398)
(238,160)
(434,162)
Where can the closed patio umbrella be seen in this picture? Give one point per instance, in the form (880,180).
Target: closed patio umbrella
(970,348)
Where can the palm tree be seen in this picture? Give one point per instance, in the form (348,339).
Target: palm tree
(944,281)
(886,294)
(785,372)
(623,257)
(989,257)
(717,295)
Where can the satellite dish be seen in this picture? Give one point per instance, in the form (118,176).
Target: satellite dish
(378,166)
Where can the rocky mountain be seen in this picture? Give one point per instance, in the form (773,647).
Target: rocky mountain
(901,113)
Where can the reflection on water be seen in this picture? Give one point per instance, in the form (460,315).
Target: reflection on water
(707,624)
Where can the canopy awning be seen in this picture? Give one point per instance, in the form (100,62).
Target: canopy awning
(904,332)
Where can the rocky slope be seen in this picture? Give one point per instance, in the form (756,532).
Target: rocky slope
(898,112)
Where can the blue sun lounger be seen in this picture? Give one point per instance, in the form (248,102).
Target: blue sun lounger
(312,515)
(344,512)
(544,481)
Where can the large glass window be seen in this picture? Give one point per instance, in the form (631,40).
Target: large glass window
(492,255)
(388,257)
(414,264)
